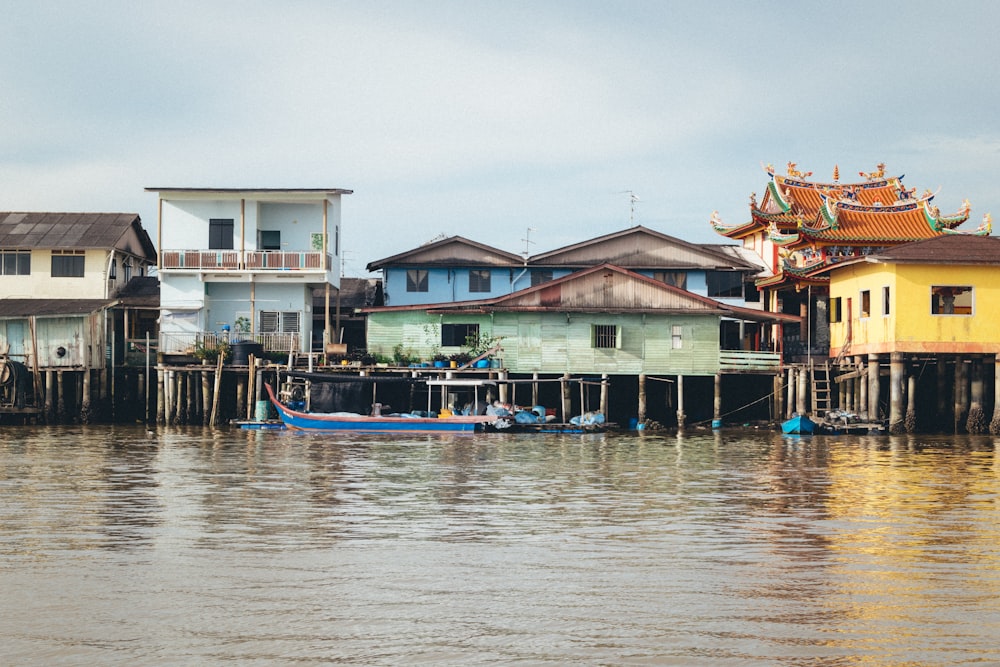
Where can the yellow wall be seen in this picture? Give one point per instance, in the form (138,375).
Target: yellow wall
(41,285)
(910,325)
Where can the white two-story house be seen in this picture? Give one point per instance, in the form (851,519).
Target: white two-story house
(243,263)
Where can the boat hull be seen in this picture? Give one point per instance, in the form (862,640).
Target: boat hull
(798,425)
(321,421)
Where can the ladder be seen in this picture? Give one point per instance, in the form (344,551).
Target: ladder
(820,375)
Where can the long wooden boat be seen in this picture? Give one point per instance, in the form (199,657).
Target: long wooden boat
(339,421)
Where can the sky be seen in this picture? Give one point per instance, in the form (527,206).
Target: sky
(521,125)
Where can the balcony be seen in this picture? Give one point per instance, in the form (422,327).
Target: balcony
(742,361)
(188,343)
(246,260)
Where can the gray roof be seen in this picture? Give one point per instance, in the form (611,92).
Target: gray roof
(68,230)
(50,307)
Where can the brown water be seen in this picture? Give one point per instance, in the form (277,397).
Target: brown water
(188,547)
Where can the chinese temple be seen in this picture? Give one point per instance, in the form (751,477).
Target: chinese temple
(803,227)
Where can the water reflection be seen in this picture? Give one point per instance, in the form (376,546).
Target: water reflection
(708,548)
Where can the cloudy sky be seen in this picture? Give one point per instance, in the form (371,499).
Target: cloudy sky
(485,119)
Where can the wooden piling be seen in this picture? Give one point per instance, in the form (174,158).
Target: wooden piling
(800,392)
(50,384)
(206,397)
(161,399)
(961,401)
(681,417)
(60,396)
(717,401)
(790,388)
(567,398)
(976,421)
(897,378)
(642,398)
(85,412)
(911,403)
(874,387)
(604,393)
(995,422)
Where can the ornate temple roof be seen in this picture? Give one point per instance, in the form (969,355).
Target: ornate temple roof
(799,212)
(818,224)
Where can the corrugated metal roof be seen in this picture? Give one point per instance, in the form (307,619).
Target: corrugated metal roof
(50,307)
(64,230)
(947,249)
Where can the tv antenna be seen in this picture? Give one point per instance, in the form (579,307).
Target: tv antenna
(527,242)
(632,199)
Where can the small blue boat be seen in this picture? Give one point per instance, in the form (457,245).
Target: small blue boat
(799,425)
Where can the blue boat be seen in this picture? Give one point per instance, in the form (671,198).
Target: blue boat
(346,421)
(799,425)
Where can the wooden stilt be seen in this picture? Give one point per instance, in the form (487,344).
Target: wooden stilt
(85,398)
(642,398)
(911,403)
(995,422)
(961,394)
(790,388)
(534,388)
(215,393)
(874,387)
(161,413)
(60,397)
(717,401)
(778,396)
(976,421)
(206,397)
(897,379)
(50,384)
(861,389)
(567,398)
(800,391)
(681,417)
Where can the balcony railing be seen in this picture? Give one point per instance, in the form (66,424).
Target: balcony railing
(741,360)
(189,343)
(247,260)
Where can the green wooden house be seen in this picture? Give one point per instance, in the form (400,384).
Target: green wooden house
(603,319)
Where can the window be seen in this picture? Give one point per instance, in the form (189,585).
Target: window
(268,239)
(220,234)
(67,263)
(113,273)
(604,336)
(416,280)
(886,309)
(725,283)
(866,303)
(458,334)
(15,262)
(675,337)
(541,276)
(479,280)
(280,321)
(835,314)
(675,278)
(951,299)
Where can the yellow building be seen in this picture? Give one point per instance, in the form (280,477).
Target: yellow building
(936,296)
(930,309)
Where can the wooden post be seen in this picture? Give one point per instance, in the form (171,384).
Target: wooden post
(843,403)
(995,422)
(778,393)
(874,388)
(215,393)
(801,392)
(642,398)
(567,399)
(50,383)
(534,388)
(897,378)
(680,402)
(206,397)
(861,392)
(182,397)
(942,389)
(85,398)
(976,422)
(961,394)
(161,401)
(911,403)
(604,393)
(60,397)
(790,388)
(717,402)
(241,394)
(504,394)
